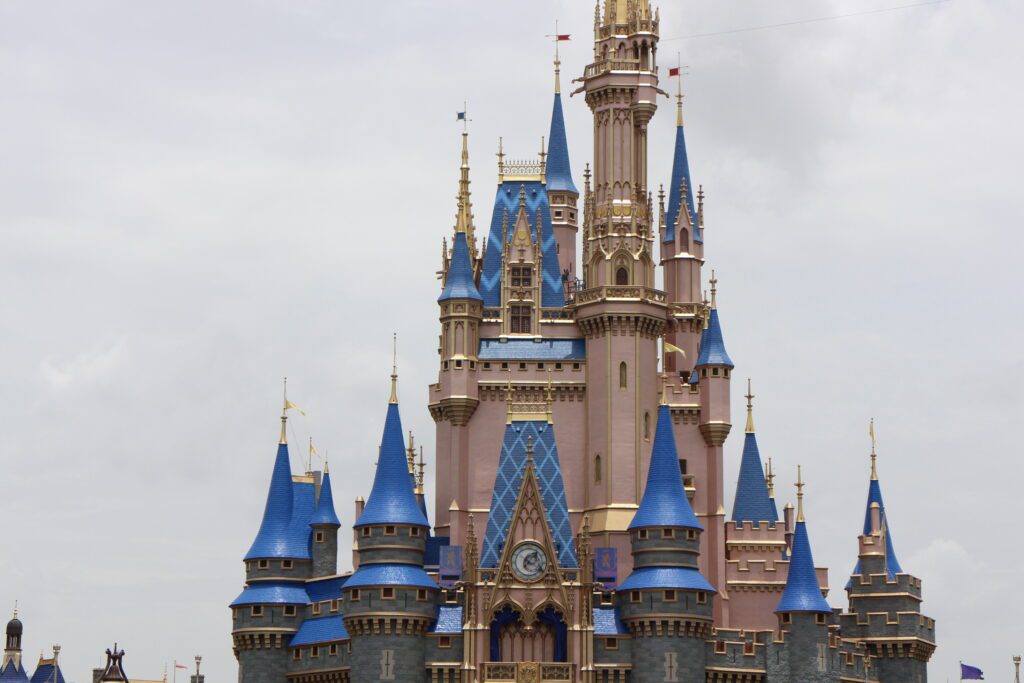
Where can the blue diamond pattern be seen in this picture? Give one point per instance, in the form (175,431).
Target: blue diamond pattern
(509,480)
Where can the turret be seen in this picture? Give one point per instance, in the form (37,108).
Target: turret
(390,602)
(269,609)
(803,613)
(12,670)
(885,601)
(325,525)
(666,603)
(753,503)
(562,193)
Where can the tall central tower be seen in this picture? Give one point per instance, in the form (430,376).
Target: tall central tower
(619,312)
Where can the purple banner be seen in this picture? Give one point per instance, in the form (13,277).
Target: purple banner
(450,564)
(606,562)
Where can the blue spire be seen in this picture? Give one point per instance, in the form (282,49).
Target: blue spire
(559,173)
(664,502)
(803,592)
(680,171)
(325,513)
(875,496)
(459,282)
(752,502)
(275,537)
(712,346)
(392,500)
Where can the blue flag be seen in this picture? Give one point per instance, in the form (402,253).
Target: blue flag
(460,116)
(970,673)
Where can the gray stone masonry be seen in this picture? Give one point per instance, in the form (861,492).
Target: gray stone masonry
(391,543)
(325,550)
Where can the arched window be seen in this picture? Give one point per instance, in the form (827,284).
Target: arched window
(647,425)
(597,468)
(621,276)
(623,372)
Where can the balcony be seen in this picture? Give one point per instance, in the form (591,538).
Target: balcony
(527,672)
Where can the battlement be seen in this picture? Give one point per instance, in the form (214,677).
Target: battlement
(881,585)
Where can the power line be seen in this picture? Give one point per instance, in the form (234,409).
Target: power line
(815,20)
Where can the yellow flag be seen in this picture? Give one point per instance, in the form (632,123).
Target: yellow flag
(674,349)
(288,405)
(312,448)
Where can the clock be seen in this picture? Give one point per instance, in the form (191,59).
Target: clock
(529,562)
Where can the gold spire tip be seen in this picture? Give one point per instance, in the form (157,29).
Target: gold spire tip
(770,477)
(874,456)
(394,368)
(714,289)
(284,415)
(750,408)
(799,494)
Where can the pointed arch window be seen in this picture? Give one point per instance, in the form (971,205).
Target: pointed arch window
(647,426)
(597,468)
(623,375)
(621,276)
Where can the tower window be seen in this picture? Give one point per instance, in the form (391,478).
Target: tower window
(611,643)
(682,466)
(316,608)
(444,641)
(289,610)
(334,605)
(390,531)
(414,531)
(642,534)
(647,426)
(421,594)
(670,596)
(521,317)
(702,597)
(263,564)
(623,375)
(287,564)
(319,537)
(387,593)
(353,595)
(314,651)
(257,611)
(297,653)
(522,276)
(622,276)
(668,533)
(634,596)
(597,468)
(558,214)
(333,649)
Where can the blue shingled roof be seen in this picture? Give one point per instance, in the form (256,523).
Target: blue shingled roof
(608,623)
(320,630)
(325,513)
(45,673)
(664,502)
(558,172)
(319,590)
(459,282)
(281,534)
(13,674)
(392,500)
(682,578)
(507,484)
(712,346)
(390,575)
(752,502)
(506,203)
(875,496)
(272,592)
(449,619)
(527,349)
(803,592)
(680,170)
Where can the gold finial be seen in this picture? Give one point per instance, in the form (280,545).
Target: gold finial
(419,477)
(410,454)
(558,62)
(501,160)
(700,205)
(770,477)
(309,461)
(750,408)
(679,89)
(714,289)
(799,495)
(15,609)
(529,452)
(394,368)
(550,399)
(874,456)
(508,397)
(327,468)
(664,389)
(543,158)
(464,220)
(284,414)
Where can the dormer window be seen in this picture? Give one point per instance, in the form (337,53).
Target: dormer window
(522,276)
(521,318)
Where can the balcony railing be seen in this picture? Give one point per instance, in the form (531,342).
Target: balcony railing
(527,672)
(619,292)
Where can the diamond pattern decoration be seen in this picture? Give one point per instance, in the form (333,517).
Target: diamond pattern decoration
(508,481)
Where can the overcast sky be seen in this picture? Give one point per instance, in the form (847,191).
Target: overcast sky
(197,198)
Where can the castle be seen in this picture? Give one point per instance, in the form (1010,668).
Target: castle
(580,530)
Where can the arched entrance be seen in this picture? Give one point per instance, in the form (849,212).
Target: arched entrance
(544,640)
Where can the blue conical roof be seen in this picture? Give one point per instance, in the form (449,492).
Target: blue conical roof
(712,345)
(664,502)
(325,513)
(459,283)
(559,173)
(875,496)
(803,592)
(680,170)
(752,502)
(277,536)
(13,674)
(392,500)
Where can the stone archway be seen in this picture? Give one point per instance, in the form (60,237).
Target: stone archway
(544,639)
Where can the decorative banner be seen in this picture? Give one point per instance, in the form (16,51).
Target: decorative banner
(450,564)
(606,562)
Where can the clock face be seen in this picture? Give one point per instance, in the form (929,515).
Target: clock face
(529,562)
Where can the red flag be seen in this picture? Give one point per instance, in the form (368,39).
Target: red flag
(180,666)
(674,71)
(563,36)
